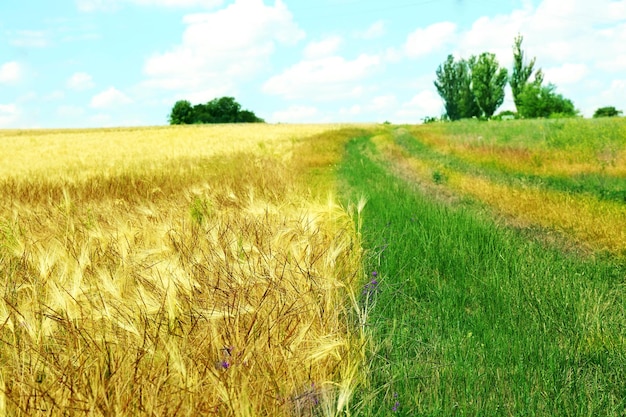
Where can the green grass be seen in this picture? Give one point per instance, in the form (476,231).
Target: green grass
(575,133)
(472,319)
(587,137)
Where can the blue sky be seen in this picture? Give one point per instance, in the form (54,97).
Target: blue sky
(93,63)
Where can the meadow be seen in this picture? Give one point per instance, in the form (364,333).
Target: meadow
(467,268)
(498,250)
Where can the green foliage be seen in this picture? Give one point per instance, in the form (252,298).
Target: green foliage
(430,119)
(469,105)
(609,111)
(449,84)
(532,99)
(542,101)
(521,71)
(219,110)
(471,318)
(182,113)
(439,177)
(488,82)
(471,88)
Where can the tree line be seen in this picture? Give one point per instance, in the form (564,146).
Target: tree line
(474,87)
(219,110)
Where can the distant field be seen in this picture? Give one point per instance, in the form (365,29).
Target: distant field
(239,271)
(84,153)
(565,176)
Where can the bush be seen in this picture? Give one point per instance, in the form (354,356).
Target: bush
(543,101)
(222,110)
(609,111)
(506,115)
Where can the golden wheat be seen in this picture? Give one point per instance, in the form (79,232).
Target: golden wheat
(174,271)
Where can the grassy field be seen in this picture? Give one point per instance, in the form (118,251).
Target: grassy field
(495,295)
(239,271)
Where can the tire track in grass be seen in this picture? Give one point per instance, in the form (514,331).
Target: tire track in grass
(469,318)
(583,220)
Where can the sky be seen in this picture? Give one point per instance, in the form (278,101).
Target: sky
(107,63)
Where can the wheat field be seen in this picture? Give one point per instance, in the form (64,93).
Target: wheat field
(176,271)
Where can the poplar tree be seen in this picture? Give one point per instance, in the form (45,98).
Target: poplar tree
(488,82)
(449,85)
(522,72)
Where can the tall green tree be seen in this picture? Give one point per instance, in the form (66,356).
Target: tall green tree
(182,113)
(522,71)
(468,104)
(488,82)
(454,85)
(472,87)
(449,84)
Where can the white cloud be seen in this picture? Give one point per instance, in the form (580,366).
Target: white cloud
(615,63)
(323,79)
(376,30)
(566,74)
(93,5)
(615,95)
(10,73)
(203,96)
(179,3)
(9,113)
(554,31)
(480,37)
(220,49)
(80,81)
(325,47)
(54,95)
(424,41)
(296,114)
(30,39)
(382,103)
(27,97)
(353,110)
(425,103)
(572,41)
(108,5)
(109,98)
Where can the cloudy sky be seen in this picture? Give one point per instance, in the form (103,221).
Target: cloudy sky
(90,63)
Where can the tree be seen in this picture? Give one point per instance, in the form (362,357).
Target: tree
(469,106)
(521,71)
(246,116)
(454,85)
(488,82)
(182,113)
(202,114)
(607,112)
(224,110)
(218,110)
(449,86)
(472,87)
(543,101)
